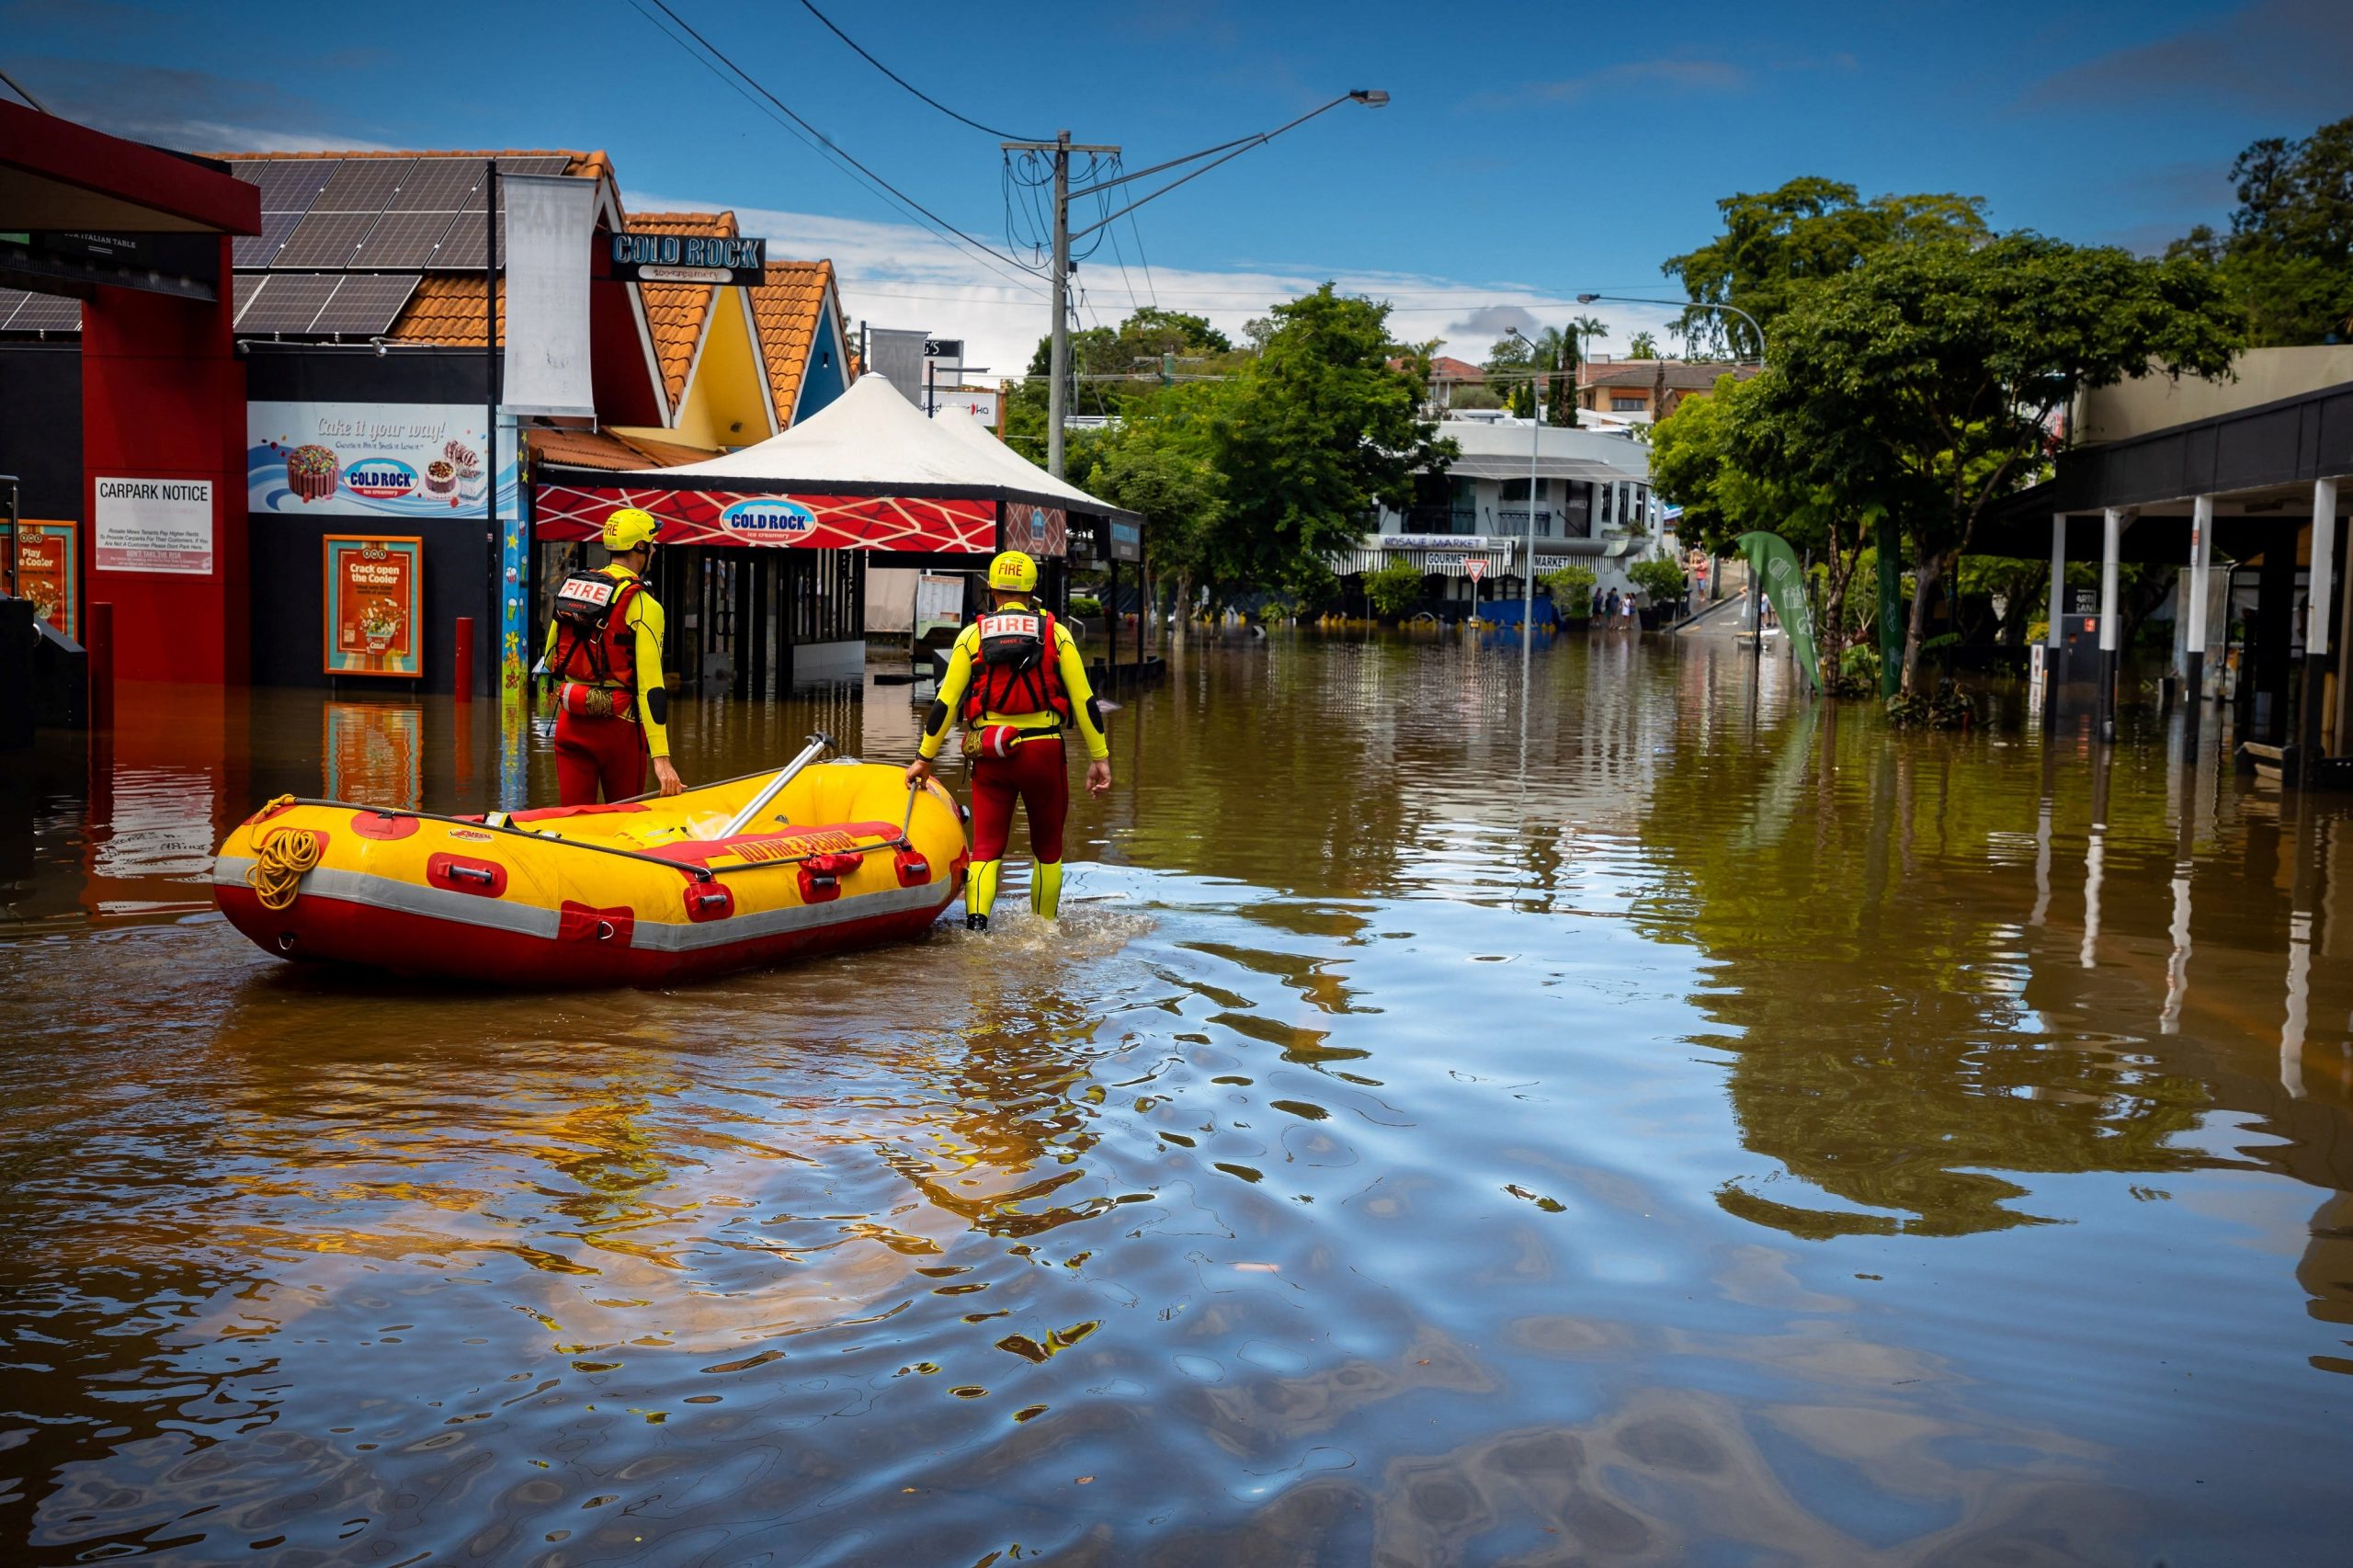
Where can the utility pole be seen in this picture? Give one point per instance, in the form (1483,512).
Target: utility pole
(1062,147)
(1058,361)
(1058,356)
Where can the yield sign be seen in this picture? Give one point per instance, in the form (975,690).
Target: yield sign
(1477,569)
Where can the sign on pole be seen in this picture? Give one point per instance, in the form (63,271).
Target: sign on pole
(1477,569)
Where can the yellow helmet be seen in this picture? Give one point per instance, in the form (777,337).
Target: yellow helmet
(629,528)
(1013,573)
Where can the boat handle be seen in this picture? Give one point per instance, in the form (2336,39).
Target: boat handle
(472,873)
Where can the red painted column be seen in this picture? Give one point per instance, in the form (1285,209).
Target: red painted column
(164,398)
(461,680)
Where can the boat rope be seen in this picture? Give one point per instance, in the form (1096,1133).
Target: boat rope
(276,872)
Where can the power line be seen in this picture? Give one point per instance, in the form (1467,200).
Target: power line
(1126,282)
(1001,135)
(1149,286)
(828,144)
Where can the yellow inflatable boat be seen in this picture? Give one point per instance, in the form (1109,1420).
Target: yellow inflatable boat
(752,872)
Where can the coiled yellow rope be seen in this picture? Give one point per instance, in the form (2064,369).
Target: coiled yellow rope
(276,872)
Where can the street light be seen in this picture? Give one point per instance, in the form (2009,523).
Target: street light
(1528,567)
(1756,594)
(1062,147)
(1686,305)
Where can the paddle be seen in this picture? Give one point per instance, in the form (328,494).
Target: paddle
(742,820)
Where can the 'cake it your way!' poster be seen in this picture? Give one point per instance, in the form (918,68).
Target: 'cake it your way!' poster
(404,460)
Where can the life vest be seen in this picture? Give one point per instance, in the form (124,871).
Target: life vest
(1017,673)
(595,642)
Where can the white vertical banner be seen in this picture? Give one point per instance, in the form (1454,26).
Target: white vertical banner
(550,224)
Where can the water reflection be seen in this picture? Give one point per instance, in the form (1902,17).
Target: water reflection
(1667,1120)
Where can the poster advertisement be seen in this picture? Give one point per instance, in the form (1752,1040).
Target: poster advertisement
(513,623)
(405,461)
(372,754)
(375,590)
(154,525)
(1040,531)
(49,573)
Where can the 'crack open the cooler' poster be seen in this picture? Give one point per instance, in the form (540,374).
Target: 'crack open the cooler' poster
(375,590)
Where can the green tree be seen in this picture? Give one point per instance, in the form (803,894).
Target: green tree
(1392,588)
(1927,378)
(1157,464)
(2287,260)
(1661,577)
(1643,346)
(1777,243)
(1572,589)
(1729,463)
(1554,362)
(1115,366)
(1314,431)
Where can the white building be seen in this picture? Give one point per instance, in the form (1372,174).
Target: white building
(1593,506)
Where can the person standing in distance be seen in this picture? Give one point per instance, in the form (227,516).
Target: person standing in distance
(604,649)
(1016,679)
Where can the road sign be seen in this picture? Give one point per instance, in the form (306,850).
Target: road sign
(943,349)
(1477,569)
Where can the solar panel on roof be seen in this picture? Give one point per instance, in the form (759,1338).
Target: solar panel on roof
(326,239)
(363,184)
(533,165)
(462,250)
(438,185)
(42,313)
(248,285)
(403,239)
(260,250)
(364,306)
(290,185)
(290,304)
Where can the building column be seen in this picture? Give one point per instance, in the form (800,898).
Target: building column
(163,400)
(2193,653)
(2317,597)
(2111,545)
(2052,642)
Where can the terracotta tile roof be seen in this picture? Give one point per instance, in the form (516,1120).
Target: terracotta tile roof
(788,307)
(1443,368)
(447,308)
(594,165)
(676,312)
(1682,375)
(609,449)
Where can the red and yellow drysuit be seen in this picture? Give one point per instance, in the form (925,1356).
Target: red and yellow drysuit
(1015,678)
(610,700)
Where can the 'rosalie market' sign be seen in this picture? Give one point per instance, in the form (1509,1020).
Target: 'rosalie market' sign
(690,259)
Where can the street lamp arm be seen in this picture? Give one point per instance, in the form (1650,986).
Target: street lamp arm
(1230,150)
(1754,324)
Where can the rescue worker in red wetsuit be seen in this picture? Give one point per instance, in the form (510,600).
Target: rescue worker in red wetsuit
(604,651)
(1016,681)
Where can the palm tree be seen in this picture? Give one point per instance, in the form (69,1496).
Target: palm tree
(1643,346)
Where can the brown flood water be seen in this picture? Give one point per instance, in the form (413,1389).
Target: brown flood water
(1666,1123)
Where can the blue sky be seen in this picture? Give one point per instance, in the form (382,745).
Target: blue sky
(1529,152)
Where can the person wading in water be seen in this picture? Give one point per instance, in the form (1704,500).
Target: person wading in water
(1016,680)
(605,650)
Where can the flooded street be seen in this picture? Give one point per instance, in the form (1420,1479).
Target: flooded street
(1666,1121)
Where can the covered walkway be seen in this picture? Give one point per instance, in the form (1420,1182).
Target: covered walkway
(2258,487)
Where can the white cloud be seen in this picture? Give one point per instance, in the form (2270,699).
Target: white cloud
(899,275)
